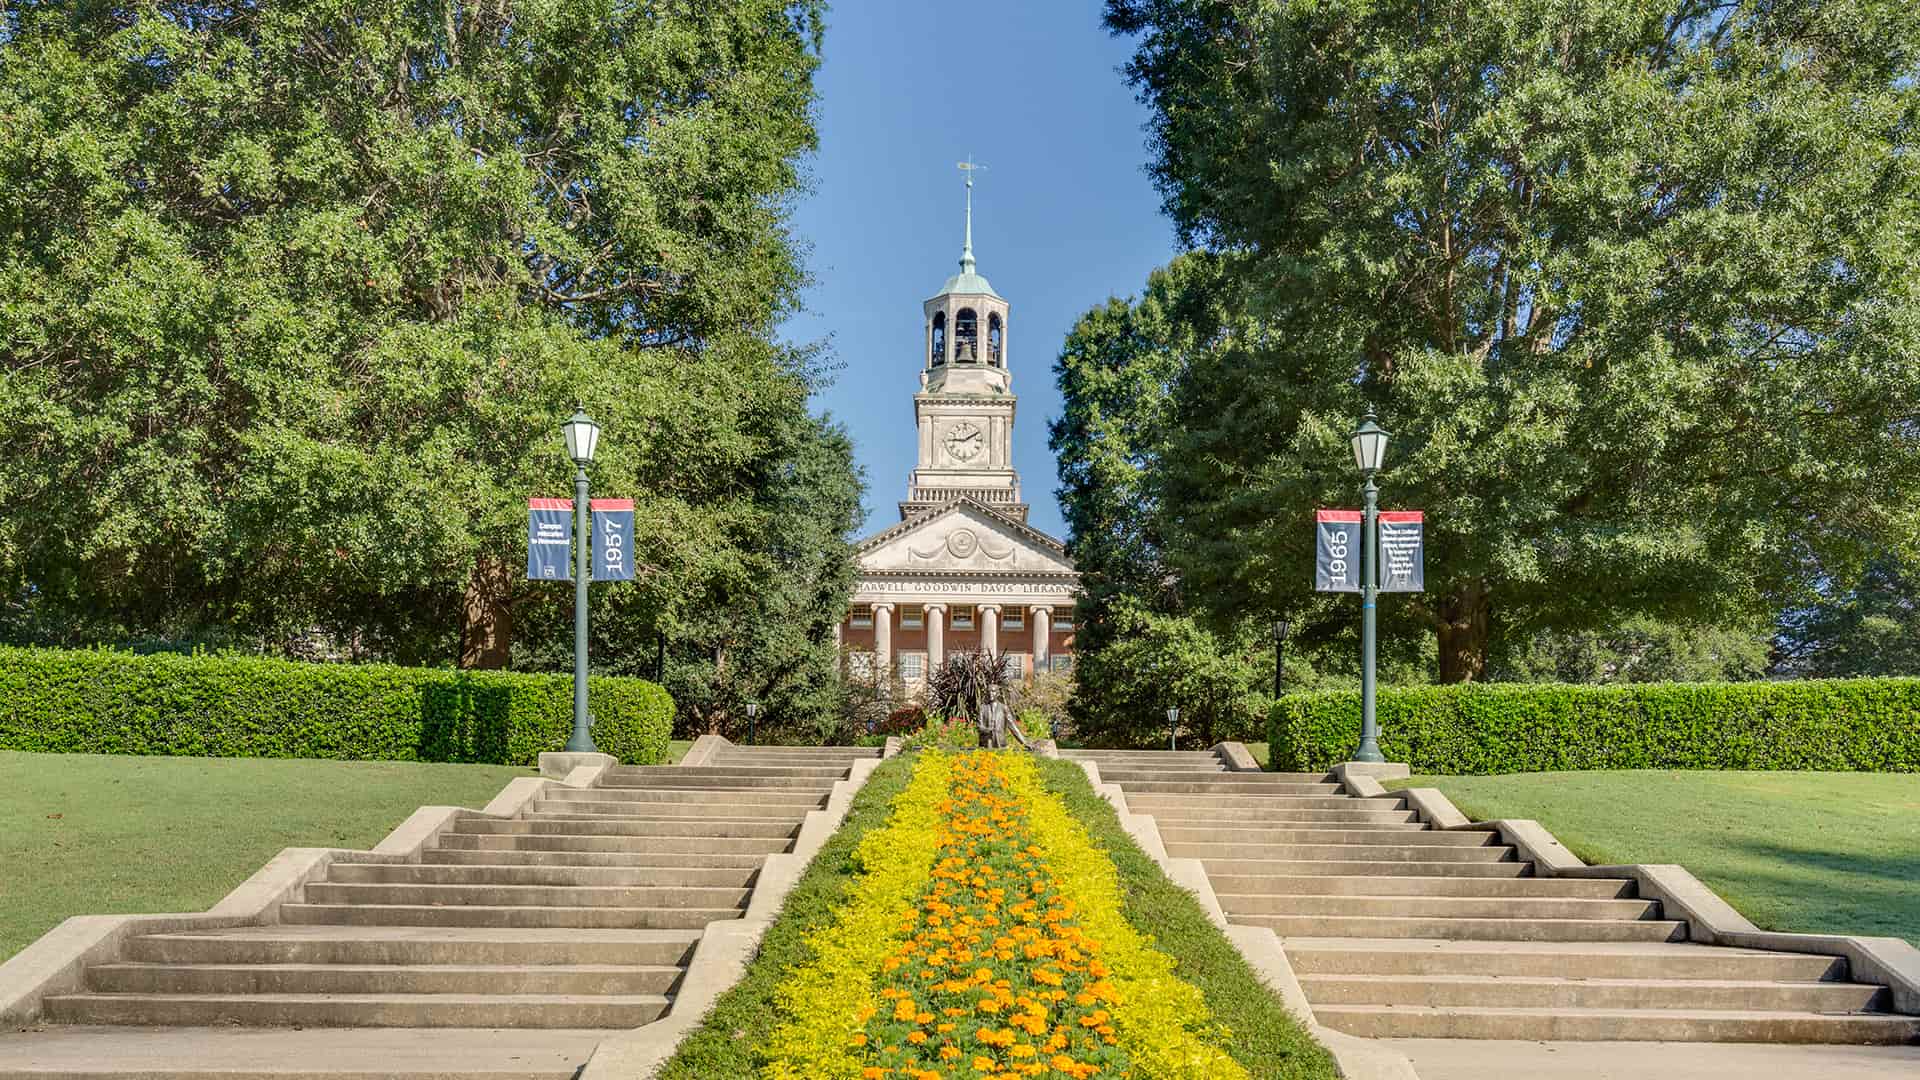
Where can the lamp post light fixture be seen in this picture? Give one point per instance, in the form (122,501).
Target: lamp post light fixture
(1281,627)
(583,438)
(1173,728)
(1369,450)
(753,710)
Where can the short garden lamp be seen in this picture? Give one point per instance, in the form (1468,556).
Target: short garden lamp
(1369,451)
(583,438)
(1282,626)
(1173,728)
(753,710)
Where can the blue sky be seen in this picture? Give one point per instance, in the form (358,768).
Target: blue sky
(1064,216)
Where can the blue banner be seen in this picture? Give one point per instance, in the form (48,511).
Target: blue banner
(1403,551)
(612,539)
(1336,550)
(549,539)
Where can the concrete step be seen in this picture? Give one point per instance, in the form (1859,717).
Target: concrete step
(1229,805)
(1181,814)
(326,892)
(95,1052)
(648,858)
(1410,848)
(690,796)
(1388,885)
(517,915)
(1114,773)
(666,811)
(1229,784)
(499,874)
(361,1010)
(316,944)
(801,751)
(690,845)
(1368,867)
(1483,991)
(715,826)
(1585,960)
(676,780)
(1442,907)
(1140,755)
(1394,836)
(1635,1025)
(773,771)
(1470,929)
(597,979)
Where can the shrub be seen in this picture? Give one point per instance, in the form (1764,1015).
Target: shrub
(953,733)
(904,721)
(1034,724)
(1833,724)
(105,702)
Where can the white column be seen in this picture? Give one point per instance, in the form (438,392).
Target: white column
(882,638)
(1042,635)
(989,627)
(936,636)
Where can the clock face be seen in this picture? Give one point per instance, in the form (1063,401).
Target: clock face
(964,441)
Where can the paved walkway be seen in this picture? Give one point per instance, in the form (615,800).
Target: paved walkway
(291,1054)
(1488,1059)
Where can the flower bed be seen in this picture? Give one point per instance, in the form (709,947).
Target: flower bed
(985,938)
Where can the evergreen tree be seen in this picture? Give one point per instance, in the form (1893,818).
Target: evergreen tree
(1632,281)
(294,296)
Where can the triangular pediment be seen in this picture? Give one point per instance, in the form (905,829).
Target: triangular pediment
(963,536)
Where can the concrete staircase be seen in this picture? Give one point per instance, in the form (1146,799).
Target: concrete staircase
(1396,929)
(580,913)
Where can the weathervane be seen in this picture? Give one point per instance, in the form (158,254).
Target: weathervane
(968,168)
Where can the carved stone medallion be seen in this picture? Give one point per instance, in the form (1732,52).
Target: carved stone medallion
(961,543)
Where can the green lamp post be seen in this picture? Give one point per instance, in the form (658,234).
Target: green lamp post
(583,438)
(1369,450)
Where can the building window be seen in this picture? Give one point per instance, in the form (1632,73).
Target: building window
(966,337)
(993,339)
(961,618)
(862,617)
(938,347)
(1063,620)
(860,664)
(913,666)
(1061,662)
(913,618)
(1013,664)
(1014,618)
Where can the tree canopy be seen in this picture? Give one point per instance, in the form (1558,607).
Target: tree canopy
(1633,282)
(293,298)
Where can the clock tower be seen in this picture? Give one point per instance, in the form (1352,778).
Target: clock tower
(961,571)
(964,410)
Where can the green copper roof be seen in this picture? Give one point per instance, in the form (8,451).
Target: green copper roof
(966,281)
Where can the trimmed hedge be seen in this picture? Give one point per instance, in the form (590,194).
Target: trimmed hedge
(102,702)
(1870,725)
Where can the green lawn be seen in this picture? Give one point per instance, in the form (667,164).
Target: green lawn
(1808,851)
(84,834)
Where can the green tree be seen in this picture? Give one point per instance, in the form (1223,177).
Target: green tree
(1638,650)
(1872,628)
(293,298)
(1633,283)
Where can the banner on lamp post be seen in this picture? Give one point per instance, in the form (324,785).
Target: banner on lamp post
(1403,551)
(1336,551)
(549,539)
(612,539)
